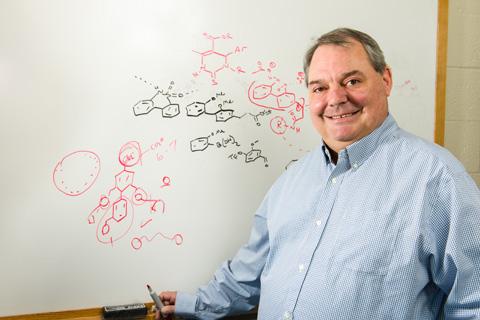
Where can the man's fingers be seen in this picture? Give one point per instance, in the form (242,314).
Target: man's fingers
(165,313)
(168,297)
(168,310)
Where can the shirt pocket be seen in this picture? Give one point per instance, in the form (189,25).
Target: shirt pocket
(366,242)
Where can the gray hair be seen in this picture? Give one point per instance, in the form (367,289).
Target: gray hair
(343,37)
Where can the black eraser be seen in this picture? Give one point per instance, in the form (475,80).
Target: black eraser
(125,311)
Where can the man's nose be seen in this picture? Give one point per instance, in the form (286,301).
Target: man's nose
(336,96)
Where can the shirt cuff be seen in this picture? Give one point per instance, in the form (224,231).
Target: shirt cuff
(185,304)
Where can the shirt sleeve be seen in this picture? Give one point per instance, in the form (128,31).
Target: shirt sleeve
(235,287)
(455,234)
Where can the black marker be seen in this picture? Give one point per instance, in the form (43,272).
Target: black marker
(155,298)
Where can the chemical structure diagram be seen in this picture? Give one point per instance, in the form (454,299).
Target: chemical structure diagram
(167,107)
(193,109)
(221,139)
(251,155)
(199,108)
(280,106)
(115,214)
(273,94)
(137,242)
(212,61)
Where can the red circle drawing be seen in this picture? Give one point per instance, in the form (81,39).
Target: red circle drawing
(130,154)
(139,197)
(136,243)
(178,239)
(76,172)
(278,125)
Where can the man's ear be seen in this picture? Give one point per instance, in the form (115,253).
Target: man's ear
(387,80)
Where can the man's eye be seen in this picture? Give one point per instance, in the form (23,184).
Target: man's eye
(352,82)
(318,89)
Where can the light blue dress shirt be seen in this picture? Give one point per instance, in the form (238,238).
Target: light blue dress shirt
(392,231)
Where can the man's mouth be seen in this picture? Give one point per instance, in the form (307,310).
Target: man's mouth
(343,115)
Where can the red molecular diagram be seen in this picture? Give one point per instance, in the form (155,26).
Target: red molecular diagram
(277,97)
(213,61)
(115,214)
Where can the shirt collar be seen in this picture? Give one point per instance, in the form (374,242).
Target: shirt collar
(358,152)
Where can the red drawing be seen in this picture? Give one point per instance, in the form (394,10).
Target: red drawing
(76,172)
(162,147)
(213,61)
(115,211)
(275,96)
(278,125)
(137,242)
(407,88)
(145,223)
(260,68)
(165,181)
(300,77)
(271,93)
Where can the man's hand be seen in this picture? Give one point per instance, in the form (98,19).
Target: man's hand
(168,299)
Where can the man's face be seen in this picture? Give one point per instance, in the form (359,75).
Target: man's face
(348,98)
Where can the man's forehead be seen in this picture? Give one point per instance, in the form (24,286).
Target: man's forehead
(347,48)
(341,59)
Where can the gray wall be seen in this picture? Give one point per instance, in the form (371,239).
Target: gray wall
(462,127)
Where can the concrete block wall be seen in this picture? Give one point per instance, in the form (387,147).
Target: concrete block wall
(462,113)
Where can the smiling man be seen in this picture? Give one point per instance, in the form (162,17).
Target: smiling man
(375,223)
(348,97)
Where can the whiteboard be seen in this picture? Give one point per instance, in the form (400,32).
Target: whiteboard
(138,138)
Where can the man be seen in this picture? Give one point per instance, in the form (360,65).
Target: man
(373,224)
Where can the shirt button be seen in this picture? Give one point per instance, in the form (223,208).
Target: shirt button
(355,165)
(318,222)
(334,180)
(301,267)
(287,315)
